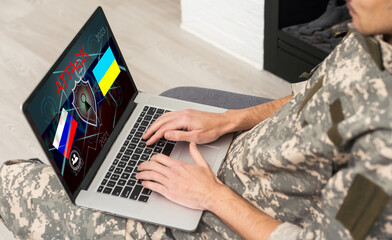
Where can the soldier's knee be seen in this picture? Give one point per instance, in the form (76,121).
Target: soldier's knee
(15,186)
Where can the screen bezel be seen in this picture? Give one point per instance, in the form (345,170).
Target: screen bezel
(105,149)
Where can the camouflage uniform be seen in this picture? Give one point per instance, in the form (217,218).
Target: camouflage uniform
(298,166)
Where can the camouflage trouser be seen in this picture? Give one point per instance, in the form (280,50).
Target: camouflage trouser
(33,205)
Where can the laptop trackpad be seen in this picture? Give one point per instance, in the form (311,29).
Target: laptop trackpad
(209,153)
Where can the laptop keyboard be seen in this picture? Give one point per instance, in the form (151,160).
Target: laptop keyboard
(120,180)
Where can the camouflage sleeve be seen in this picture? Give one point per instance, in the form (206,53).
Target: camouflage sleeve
(351,210)
(288,230)
(298,87)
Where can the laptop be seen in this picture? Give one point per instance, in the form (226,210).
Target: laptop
(89,117)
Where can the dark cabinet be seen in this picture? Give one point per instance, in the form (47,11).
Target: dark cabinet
(285,55)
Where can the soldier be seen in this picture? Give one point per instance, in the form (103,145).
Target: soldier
(317,165)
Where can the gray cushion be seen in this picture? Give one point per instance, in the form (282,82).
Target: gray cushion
(214,97)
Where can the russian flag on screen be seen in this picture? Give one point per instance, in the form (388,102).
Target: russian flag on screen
(106,71)
(65,133)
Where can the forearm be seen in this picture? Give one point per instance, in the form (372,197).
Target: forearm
(244,119)
(241,216)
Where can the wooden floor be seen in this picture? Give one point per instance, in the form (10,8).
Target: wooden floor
(158,52)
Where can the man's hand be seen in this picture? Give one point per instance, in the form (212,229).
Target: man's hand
(196,186)
(204,127)
(190,185)
(188,125)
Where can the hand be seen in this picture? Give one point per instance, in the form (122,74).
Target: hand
(190,185)
(188,125)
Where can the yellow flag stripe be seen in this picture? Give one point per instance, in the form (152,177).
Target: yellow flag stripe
(109,77)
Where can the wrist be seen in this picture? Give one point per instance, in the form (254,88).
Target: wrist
(218,198)
(231,121)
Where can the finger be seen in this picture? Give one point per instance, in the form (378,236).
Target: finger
(156,125)
(164,160)
(189,136)
(152,176)
(167,126)
(154,138)
(196,155)
(157,135)
(154,166)
(155,187)
(159,122)
(181,135)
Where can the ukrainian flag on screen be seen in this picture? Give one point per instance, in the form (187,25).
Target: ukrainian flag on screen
(106,71)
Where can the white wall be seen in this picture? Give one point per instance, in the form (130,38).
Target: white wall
(235,26)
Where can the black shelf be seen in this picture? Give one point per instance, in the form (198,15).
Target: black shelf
(285,55)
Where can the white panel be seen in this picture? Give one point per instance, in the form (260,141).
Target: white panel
(236,26)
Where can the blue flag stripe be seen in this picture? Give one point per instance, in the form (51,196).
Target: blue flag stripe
(103,64)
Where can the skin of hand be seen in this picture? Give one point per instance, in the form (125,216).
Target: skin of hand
(188,125)
(204,127)
(190,185)
(196,186)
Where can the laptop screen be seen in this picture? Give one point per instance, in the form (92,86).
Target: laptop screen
(78,104)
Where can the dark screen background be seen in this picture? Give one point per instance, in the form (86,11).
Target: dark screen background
(46,106)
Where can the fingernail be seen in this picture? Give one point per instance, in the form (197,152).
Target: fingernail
(168,135)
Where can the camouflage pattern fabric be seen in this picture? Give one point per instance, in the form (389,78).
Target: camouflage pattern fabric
(34,205)
(297,166)
(386,53)
(284,166)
